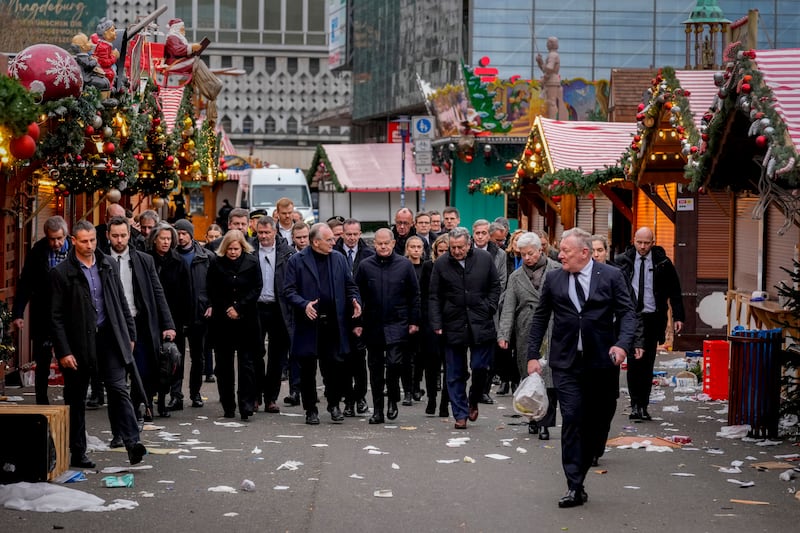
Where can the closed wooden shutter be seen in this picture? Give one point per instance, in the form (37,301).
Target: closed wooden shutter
(602,212)
(647,214)
(713,223)
(780,250)
(746,249)
(585,215)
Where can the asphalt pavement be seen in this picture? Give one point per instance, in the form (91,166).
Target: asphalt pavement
(418,473)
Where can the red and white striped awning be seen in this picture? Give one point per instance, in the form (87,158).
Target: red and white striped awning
(170,98)
(781,71)
(586,145)
(702,91)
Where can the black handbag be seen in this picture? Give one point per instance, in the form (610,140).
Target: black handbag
(169,360)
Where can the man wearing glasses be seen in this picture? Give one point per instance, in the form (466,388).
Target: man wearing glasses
(403,229)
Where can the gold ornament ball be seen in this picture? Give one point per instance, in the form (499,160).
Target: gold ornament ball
(196,165)
(113,196)
(157,202)
(187,121)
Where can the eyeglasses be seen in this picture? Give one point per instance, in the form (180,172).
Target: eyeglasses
(401,223)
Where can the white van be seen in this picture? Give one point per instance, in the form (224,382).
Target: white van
(265,186)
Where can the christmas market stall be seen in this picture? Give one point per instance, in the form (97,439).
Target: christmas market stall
(751,152)
(691,224)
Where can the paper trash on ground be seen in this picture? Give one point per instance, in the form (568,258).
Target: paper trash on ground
(290,465)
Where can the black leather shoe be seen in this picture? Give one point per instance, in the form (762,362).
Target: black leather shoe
(82,462)
(245,415)
(644,415)
(634,413)
(485,398)
(175,405)
(211,379)
(533,427)
(595,461)
(377,418)
(407,399)
(136,452)
(349,410)
(430,409)
(571,499)
(197,401)
(418,395)
(361,406)
(336,414)
(229,414)
(312,418)
(544,434)
(391,410)
(93,403)
(116,442)
(503,390)
(293,399)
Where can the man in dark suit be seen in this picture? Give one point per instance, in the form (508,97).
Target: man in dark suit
(583,298)
(655,284)
(356,250)
(32,288)
(273,255)
(148,307)
(93,332)
(323,297)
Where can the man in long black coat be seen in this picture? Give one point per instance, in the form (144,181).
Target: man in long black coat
(148,306)
(390,292)
(93,332)
(464,295)
(32,288)
(583,299)
(323,297)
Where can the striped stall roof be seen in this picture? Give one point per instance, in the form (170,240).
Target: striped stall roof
(377,168)
(170,98)
(702,91)
(587,145)
(781,71)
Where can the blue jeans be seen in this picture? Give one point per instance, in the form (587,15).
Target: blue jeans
(457,374)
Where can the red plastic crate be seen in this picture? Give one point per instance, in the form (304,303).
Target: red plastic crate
(716,364)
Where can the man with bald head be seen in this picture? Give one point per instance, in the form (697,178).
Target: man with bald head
(390,293)
(113,210)
(656,287)
(403,229)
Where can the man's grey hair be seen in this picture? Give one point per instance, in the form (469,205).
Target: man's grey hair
(82,225)
(583,237)
(313,233)
(149,214)
(479,222)
(529,239)
(54,224)
(503,221)
(497,226)
(266,221)
(459,232)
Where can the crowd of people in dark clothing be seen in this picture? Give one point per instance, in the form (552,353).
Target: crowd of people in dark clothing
(272,299)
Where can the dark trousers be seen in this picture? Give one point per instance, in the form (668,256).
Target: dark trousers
(457,373)
(147,367)
(608,408)
(640,371)
(433,349)
(505,364)
(355,385)
(385,368)
(43,355)
(583,416)
(120,409)
(268,376)
(226,381)
(333,375)
(208,367)
(549,419)
(196,337)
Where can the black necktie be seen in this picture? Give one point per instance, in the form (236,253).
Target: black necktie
(579,289)
(640,295)
(350,258)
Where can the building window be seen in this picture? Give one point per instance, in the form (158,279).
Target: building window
(247,125)
(313,130)
(269,65)
(226,124)
(291,65)
(205,14)
(291,125)
(313,66)
(226,61)
(336,130)
(269,125)
(248,64)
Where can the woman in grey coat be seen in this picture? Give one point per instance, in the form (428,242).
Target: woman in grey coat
(520,301)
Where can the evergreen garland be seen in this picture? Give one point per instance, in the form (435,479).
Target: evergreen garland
(17,108)
(322,169)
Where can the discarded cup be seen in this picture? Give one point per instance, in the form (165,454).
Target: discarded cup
(248,486)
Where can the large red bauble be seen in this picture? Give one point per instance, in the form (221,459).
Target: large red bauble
(48,70)
(23,147)
(761,141)
(109,148)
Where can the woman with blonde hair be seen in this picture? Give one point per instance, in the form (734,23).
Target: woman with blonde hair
(234,285)
(431,343)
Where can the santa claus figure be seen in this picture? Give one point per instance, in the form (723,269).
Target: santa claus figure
(105,53)
(179,53)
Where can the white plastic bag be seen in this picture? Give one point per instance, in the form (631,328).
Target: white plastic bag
(530,398)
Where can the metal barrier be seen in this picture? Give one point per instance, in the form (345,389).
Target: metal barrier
(755,372)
